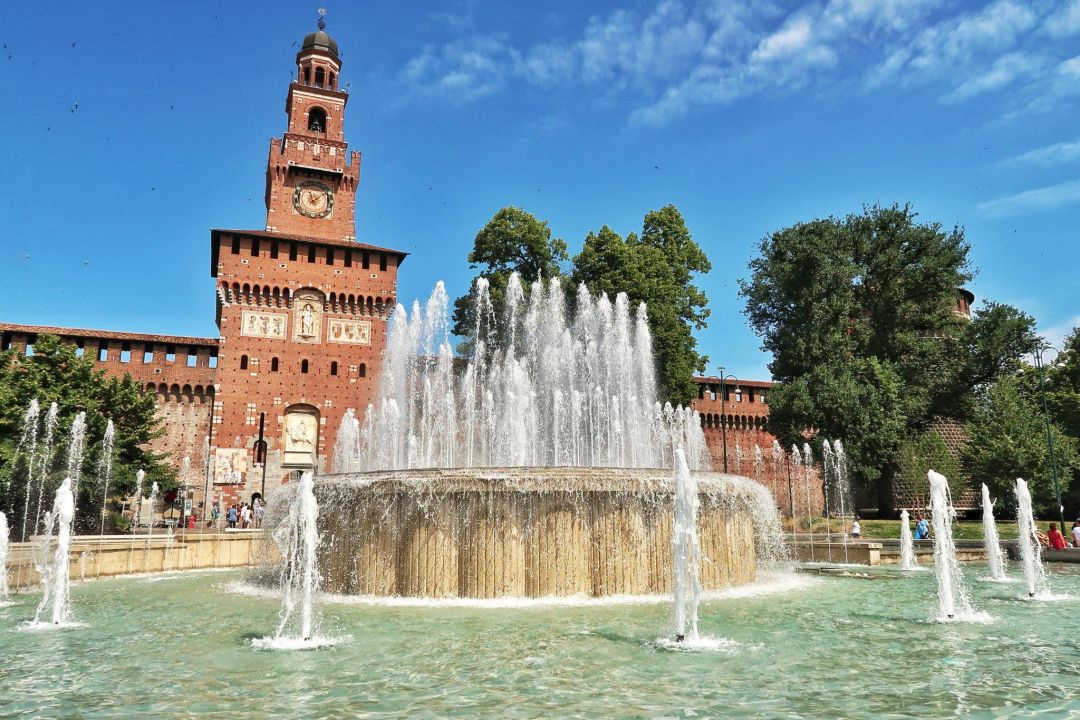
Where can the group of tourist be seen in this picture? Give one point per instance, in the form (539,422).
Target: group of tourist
(239,515)
(1054,538)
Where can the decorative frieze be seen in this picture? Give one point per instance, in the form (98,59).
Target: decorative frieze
(348,332)
(264,324)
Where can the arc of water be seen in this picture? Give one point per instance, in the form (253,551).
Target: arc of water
(686,550)
(994,559)
(953,598)
(907,549)
(55,600)
(105,470)
(4,590)
(29,440)
(1030,548)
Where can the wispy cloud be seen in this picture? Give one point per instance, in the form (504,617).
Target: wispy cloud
(682,54)
(1056,334)
(1048,156)
(1029,201)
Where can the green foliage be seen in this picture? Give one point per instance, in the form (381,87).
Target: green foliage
(1008,440)
(868,298)
(512,241)
(55,373)
(927,451)
(656,268)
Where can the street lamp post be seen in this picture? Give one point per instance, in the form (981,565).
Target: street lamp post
(1049,435)
(723,412)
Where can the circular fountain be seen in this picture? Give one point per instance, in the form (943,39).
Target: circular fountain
(539,466)
(527,532)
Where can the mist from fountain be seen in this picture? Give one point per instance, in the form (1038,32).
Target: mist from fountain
(55,602)
(105,470)
(907,549)
(991,542)
(1038,584)
(298,541)
(686,551)
(28,439)
(954,603)
(555,390)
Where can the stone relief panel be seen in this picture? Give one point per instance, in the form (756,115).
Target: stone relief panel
(301,437)
(264,324)
(307,315)
(348,332)
(230,466)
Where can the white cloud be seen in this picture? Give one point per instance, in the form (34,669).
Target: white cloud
(1056,334)
(681,54)
(1033,201)
(1005,70)
(1056,154)
(1065,21)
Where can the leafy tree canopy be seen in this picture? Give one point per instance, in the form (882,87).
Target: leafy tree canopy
(512,241)
(656,267)
(55,373)
(830,295)
(1008,440)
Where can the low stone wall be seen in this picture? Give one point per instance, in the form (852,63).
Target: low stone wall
(854,552)
(520,532)
(94,557)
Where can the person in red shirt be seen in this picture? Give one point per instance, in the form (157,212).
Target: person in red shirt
(1057,540)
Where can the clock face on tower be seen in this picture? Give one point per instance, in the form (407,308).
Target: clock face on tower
(313,199)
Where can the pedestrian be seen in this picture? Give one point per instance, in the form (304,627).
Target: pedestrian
(1055,537)
(1076,534)
(260,513)
(856,529)
(232,517)
(247,515)
(922,528)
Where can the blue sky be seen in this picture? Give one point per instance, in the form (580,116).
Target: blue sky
(130,130)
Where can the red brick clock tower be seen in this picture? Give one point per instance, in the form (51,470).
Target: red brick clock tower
(301,306)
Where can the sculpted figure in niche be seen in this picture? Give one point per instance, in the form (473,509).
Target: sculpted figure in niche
(307,320)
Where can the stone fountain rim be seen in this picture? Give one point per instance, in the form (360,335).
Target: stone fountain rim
(541,479)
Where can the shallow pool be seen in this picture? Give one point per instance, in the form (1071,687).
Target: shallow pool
(815,647)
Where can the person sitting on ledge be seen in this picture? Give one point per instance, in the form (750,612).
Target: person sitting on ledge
(922,528)
(856,529)
(1076,534)
(1054,535)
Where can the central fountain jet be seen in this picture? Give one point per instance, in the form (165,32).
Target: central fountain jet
(539,465)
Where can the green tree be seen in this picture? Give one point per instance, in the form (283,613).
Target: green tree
(512,241)
(1008,441)
(56,373)
(873,290)
(1063,402)
(656,268)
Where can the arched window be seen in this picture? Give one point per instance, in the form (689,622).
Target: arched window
(331,84)
(320,76)
(274,365)
(243,362)
(333,368)
(307,75)
(317,120)
(363,370)
(304,366)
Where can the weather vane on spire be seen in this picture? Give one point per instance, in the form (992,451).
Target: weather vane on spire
(322,19)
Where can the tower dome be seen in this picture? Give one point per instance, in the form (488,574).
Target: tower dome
(320,40)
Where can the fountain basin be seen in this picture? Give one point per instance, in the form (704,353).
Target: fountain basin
(525,532)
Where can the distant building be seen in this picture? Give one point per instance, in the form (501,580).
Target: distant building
(301,312)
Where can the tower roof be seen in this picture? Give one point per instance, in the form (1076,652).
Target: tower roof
(319,40)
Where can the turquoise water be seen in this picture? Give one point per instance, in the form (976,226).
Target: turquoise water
(826,647)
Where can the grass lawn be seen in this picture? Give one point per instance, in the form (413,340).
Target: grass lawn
(962,530)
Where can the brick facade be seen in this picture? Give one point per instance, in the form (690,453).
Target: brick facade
(301,313)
